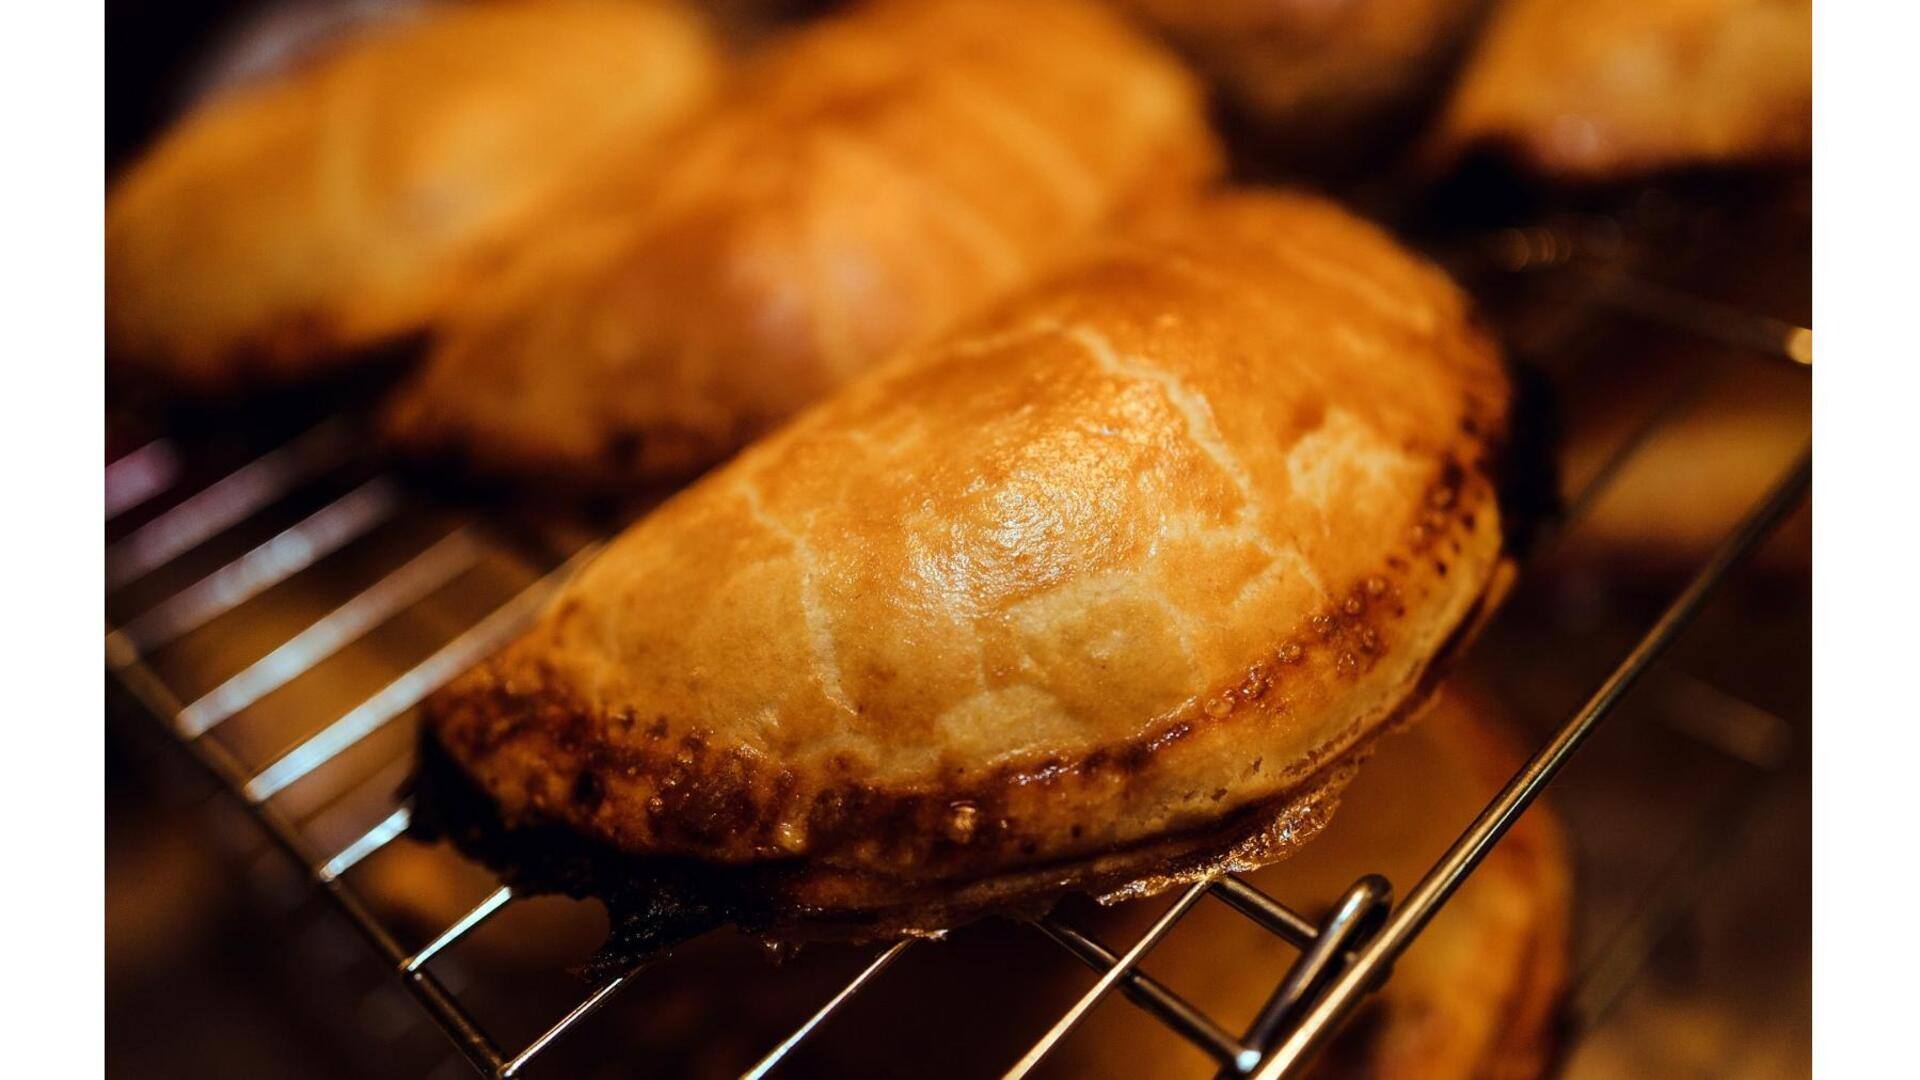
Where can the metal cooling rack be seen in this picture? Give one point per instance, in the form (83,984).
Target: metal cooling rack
(1342,957)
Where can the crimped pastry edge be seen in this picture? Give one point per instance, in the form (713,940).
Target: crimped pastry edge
(654,903)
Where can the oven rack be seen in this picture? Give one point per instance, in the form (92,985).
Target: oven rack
(1341,958)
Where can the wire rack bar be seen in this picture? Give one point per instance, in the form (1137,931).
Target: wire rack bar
(406,691)
(445,1010)
(461,927)
(1712,320)
(590,1005)
(1351,921)
(1148,993)
(1278,918)
(290,551)
(388,830)
(867,974)
(141,474)
(1446,876)
(406,586)
(1071,1019)
(1582,502)
(227,502)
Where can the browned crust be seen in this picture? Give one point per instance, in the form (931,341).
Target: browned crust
(655,903)
(534,742)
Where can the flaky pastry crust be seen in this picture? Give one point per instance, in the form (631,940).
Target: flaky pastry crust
(290,226)
(871,180)
(1126,569)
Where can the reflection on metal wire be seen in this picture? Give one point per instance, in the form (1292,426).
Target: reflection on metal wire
(404,587)
(227,502)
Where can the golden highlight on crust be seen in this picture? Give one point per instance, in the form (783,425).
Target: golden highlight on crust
(1606,89)
(1148,546)
(871,179)
(284,227)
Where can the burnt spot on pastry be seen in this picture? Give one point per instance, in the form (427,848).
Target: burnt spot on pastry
(654,903)
(588,791)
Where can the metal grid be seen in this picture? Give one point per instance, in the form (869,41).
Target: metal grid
(1341,958)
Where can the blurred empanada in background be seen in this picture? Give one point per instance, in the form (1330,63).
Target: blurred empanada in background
(292,224)
(1605,89)
(872,179)
(1322,84)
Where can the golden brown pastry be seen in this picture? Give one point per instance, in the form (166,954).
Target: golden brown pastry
(875,178)
(1601,89)
(1477,995)
(1108,582)
(1474,997)
(281,228)
(1310,72)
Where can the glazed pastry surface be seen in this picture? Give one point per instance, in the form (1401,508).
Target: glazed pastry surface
(873,178)
(1152,545)
(1602,89)
(281,227)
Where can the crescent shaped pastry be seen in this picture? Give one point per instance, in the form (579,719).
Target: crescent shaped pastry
(1117,578)
(290,225)
(1603,89)
(873,179)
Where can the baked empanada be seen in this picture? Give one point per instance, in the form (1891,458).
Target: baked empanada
(875,178)
(1110,584)
(1602,89)
(1320,81)
(290,225)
